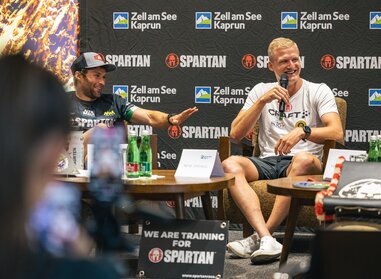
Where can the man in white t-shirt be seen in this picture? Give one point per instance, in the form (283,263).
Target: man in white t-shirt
(290,145)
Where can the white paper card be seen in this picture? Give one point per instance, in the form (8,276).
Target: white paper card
(333,155)
(203,163)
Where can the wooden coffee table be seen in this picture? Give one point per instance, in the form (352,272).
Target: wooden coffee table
(299,197)
(170,188)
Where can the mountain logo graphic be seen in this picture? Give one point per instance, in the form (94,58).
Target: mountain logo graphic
(375,97)
(120,20)
(375,20)
(121,90)
(289,20)
(203,94)
(203,20)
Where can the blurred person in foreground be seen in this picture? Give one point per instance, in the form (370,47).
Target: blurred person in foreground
(290,145)
(34,113)
(91,108)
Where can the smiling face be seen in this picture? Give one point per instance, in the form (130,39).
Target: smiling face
(90,84)
(286,60)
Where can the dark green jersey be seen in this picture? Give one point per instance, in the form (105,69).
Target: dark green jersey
(109,109)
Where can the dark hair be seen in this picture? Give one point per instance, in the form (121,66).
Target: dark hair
(33,105)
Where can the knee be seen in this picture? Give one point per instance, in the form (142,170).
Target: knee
(231,165)
(305,163)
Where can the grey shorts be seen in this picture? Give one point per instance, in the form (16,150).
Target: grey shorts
(271,167)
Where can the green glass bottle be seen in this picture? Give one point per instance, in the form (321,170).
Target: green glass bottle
(145,165)
(379,147)
(373,149)
(132,156)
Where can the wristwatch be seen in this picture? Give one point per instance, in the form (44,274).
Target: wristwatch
(307,132)
(169,117)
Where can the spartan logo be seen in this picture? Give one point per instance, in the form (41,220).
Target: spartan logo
(172,60)
(328,62)
(203,20)
(249,61)
(155,255)
(289,20)
(174,132)
(121,20)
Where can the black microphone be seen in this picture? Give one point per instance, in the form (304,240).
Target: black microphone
(284,83)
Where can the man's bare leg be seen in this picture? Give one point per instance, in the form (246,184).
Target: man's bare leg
(302,163)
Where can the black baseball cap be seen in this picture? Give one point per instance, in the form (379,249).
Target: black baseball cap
(88,60)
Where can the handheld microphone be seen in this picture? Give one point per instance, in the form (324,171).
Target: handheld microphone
(284,83)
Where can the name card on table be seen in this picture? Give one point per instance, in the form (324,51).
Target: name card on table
(333,155)
(203,163)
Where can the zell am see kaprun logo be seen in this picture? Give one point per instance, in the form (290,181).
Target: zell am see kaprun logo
(221,95)
(375,97)
(141,21)
(311,21)
(329,62)
(121,90)
(225,20)
(375,20)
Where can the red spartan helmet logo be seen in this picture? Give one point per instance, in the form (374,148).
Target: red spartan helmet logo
(172,60)
(249,61)
(170,204)
(155,255)
(174,132)
(328,62)
(100,57)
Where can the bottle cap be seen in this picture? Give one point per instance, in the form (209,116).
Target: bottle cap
(145,133)
(131,133)
(379,137)
(373,137)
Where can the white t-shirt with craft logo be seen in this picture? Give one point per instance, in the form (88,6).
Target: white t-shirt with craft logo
(307,106)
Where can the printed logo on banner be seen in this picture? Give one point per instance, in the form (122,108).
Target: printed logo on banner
(375,97)
(121,20)
(203,20)
(375,20)
(203,94)
(248,61)
(155,255)
(121,90)
(289,20)
(328,62)
(174,132)
(172,60)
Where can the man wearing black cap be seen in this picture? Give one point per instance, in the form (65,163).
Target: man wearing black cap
(91,108)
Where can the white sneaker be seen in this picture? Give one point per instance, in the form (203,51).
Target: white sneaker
(245,247)
(269,249)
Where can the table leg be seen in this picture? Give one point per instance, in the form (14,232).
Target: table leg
(207,206)
(180,206)
(290,229)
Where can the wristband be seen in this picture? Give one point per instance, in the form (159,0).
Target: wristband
(169,116)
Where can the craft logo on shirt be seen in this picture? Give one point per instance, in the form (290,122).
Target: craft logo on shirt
(203,94)
(121,20)
(375,20)
(328,62)
(155,255)
(375,97)
(121,90)
(172,60)
(289,20)
(248,61)
(174,132)
(203,20)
